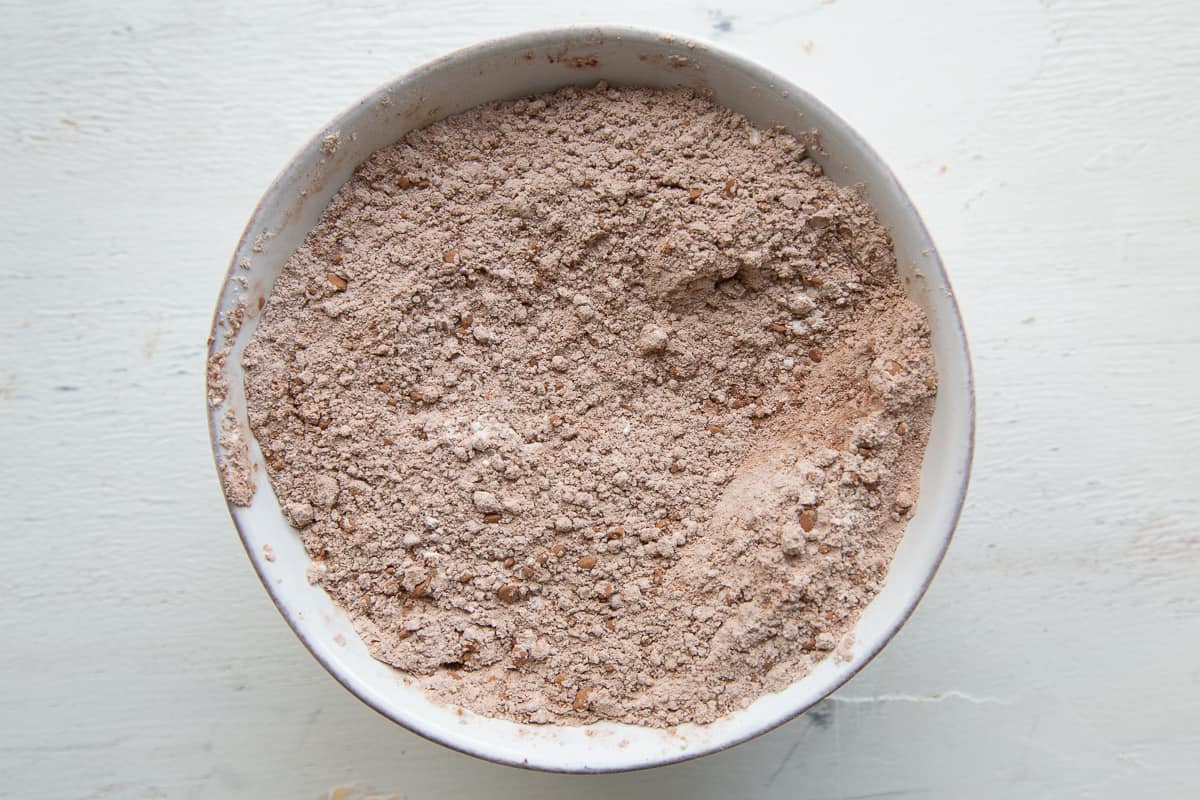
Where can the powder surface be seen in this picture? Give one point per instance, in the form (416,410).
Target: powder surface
(596,405)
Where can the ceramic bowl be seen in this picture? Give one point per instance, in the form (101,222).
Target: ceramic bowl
(522,65)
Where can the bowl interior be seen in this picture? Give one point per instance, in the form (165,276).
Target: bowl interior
(523,65)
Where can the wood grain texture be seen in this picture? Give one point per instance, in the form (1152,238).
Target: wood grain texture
(1051,148)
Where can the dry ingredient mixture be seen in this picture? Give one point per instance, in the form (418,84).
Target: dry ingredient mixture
(601,404)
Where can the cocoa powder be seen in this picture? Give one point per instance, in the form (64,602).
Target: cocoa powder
(601,404)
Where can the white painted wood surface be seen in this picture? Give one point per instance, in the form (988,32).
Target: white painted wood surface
(1053,150)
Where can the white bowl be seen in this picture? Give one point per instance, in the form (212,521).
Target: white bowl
(522,65)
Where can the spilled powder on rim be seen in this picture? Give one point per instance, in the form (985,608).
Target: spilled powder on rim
(595,405)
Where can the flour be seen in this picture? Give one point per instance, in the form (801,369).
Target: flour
(595,405)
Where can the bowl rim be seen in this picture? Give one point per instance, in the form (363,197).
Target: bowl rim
(541,37)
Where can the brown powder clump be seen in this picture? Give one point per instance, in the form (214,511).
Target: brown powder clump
(595,405)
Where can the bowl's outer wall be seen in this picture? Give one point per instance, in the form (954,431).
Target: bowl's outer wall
(523,65)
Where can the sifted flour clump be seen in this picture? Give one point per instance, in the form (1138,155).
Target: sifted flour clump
(600,404)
